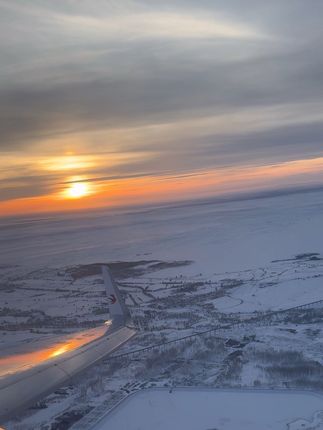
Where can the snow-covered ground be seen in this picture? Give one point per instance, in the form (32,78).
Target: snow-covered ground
(183,270)
(216,236)
(192,409)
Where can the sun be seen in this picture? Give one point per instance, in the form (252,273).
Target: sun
(77,190)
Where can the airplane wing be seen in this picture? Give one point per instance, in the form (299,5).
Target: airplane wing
(118,311)
(21,389)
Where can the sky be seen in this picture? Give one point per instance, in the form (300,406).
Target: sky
(110,102)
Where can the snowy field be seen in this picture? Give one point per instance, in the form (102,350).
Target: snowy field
(192,409)
(249,271)
(218,237)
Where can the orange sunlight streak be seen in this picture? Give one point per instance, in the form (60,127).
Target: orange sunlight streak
(80,194)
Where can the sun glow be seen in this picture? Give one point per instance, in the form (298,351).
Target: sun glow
(60,351)
(67,162)
(18,362)
(77,190)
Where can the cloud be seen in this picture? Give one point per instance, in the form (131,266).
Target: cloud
(197,85)
(160,25)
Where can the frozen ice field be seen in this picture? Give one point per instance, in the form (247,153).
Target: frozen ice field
(203,409)
(216,236)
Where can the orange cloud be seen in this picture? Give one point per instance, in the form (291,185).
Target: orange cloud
(144,190)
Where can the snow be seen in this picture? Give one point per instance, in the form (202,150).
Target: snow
(295,285)
(246,261)
(205,409)
(217,237)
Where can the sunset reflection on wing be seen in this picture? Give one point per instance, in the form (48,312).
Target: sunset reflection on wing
(22,361)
